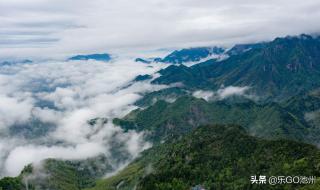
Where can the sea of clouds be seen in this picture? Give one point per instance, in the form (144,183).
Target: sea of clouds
(61,97)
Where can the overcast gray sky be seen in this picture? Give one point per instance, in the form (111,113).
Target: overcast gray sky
(50,28)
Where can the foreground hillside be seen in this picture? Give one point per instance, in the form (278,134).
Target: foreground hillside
(216,157)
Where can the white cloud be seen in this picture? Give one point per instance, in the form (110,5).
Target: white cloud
(231,91)
(312,116)
(67,95)
(47,115)
(203,94)
(13,111)
(222,93)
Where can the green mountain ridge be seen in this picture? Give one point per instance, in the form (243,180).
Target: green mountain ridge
(279,69)
(216,157)
(272,120)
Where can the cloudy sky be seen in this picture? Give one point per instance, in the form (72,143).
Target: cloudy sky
(53,28)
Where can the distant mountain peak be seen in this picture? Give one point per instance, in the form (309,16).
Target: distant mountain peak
(98,57)
(25,61)
(143,60)
(192,54)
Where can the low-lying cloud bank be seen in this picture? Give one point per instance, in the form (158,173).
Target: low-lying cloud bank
(222,93)
(61,97)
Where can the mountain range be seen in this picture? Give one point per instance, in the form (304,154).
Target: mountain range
(275,70)
(254,112)
(98,57)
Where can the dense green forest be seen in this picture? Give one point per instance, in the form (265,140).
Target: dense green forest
(216,157)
